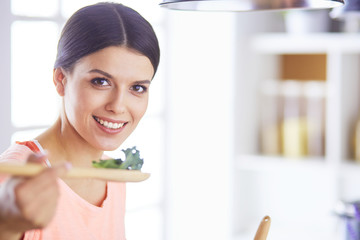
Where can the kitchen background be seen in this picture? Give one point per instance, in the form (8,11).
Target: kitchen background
(250,114)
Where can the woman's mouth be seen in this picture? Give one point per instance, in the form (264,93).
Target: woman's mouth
(108,124)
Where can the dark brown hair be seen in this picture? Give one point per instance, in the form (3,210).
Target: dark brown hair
(101,25)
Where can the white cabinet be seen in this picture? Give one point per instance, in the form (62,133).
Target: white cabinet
(299,194)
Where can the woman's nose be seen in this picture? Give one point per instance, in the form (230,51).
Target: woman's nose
(117,102)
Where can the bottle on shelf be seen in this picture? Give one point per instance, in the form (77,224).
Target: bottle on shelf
(292,120)
(357,141)
(270,118)
(315,100)
(293,127)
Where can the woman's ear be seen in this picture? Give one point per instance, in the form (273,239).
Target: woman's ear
(59,80)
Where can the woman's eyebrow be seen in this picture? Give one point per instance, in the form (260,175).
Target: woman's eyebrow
(108,75)
(143,82)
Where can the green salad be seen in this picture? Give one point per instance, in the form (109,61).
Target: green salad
(132,161)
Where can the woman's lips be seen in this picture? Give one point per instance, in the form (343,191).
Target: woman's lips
(108,124)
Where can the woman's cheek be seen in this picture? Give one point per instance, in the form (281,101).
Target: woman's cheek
(142,110)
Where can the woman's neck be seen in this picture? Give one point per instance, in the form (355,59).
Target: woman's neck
(63,143)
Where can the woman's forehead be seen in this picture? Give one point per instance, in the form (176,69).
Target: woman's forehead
(116,60)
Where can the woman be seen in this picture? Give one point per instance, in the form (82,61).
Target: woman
(107,57)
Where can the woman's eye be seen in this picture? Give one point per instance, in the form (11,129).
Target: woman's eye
(139,88)
(100,82)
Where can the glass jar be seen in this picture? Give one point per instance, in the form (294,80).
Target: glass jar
(270,117)
(315,94)
(293,128)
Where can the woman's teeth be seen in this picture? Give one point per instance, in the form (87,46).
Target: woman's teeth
(109,124)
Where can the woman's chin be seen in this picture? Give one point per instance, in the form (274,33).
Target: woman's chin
(109,147)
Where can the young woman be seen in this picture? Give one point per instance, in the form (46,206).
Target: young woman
(107,57)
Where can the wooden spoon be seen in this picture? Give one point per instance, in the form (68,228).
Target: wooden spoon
(110,174)
(263,229)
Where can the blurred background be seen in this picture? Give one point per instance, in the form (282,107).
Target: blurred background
(251,114)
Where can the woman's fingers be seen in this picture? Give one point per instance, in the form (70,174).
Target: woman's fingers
(37,197)
(62,169)
(37,158)
(29,203)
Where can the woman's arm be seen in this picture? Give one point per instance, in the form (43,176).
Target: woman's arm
(6,233)
(29,203)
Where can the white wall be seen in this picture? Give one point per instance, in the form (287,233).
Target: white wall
(201,75)
(5,93)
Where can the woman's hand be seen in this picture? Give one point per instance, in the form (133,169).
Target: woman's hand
(34,201)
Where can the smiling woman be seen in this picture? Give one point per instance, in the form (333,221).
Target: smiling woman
(103,87)
(107,57)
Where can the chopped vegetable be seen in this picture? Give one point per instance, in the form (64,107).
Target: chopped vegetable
(132,161)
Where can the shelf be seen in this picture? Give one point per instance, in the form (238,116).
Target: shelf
(281,43)
(278,163)
(274,184)
(350,168)
(261,163)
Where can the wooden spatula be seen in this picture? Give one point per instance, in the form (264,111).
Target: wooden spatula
(118,175)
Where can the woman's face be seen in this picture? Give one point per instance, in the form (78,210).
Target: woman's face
(106,95)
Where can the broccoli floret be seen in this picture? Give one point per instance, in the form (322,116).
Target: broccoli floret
(132,161)
(109,163)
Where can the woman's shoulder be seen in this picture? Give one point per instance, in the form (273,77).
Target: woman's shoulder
(16,153)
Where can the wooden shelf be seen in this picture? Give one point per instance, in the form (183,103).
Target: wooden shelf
(303,67)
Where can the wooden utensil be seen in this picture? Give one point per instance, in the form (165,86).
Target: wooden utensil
(118,175)
(263,229)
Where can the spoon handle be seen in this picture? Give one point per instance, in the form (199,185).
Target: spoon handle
(263,229)
(118,175)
